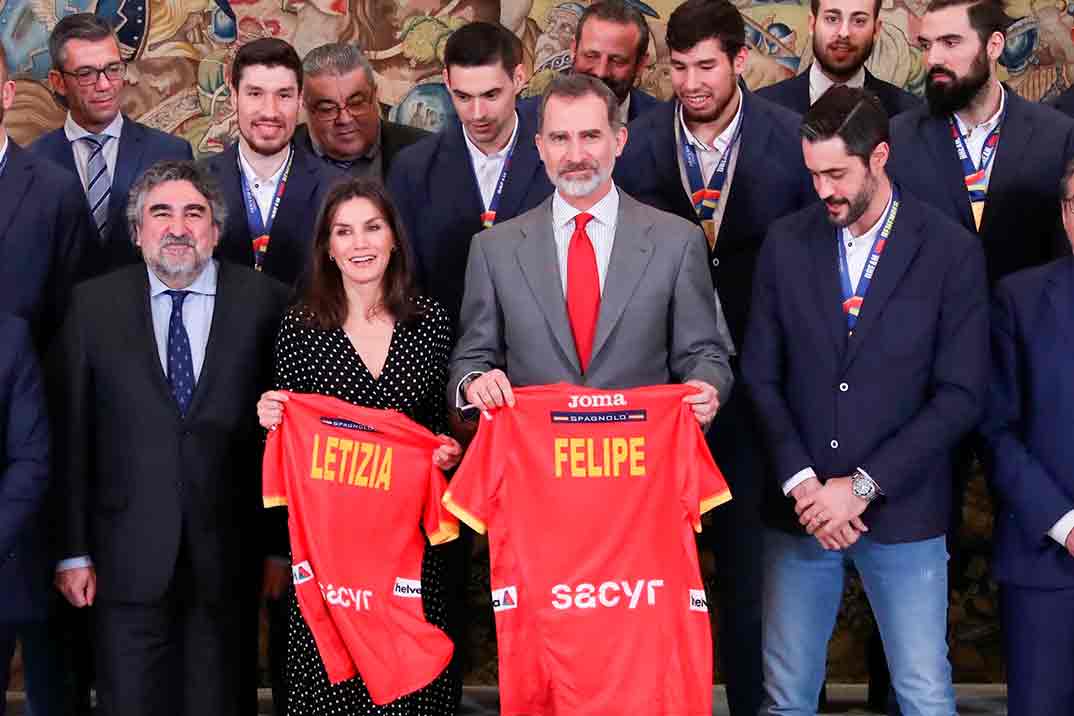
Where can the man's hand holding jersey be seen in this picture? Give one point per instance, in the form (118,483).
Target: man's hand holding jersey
(270,411)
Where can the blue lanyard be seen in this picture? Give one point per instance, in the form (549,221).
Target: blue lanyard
(488,217)
(852,300)
(706,198)
(258,226)
(976,175)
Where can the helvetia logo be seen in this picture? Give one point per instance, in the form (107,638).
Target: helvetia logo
(698,601)
(506,598)
(301,572)
(407,588)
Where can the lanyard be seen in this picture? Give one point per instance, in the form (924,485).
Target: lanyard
(488,218)
(852,300)
(259,228)
(706,198)
(976,175)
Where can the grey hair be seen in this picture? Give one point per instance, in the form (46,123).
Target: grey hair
(80,26)
(168,170)
(337,58)
(576,86)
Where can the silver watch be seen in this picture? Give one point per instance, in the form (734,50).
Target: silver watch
(864,486)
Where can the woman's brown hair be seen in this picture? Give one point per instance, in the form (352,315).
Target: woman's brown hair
(322,291)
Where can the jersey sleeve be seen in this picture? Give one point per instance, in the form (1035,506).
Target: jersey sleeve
(273,469)
(469,497)
(440,525)
(703,486)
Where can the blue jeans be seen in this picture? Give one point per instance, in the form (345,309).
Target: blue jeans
(907,589)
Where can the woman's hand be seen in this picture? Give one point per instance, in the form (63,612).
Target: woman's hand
(270,409)
(448,454)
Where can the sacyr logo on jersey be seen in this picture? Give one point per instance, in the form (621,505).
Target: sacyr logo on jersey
(698,601)
(346,597)
(505,598)
(407,588)
(599,400)
(630,594)
(301,572)
(346,424)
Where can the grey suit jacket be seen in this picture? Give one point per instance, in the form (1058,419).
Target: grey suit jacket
(658,314)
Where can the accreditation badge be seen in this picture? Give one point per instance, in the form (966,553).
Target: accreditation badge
(709,227)
(978,212)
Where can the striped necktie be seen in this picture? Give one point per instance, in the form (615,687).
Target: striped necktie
(99,182)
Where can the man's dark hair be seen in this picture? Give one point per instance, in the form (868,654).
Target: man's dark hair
(477,44)
(269,52)
(814,7)
(986,16)
(854,115)
(620,13)
(80,26)
(698,20)
(576,86)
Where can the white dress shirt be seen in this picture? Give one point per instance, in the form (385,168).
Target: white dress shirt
(975,138)
(819,83)
(858,249)
(263,188)
(600,230)
(83,150)
(709,157)
(1063,528)
(487,167)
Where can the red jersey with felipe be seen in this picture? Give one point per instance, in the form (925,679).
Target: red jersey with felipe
(591,499)
(362,496)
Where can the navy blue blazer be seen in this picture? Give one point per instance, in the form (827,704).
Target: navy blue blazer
(139,148)
(1027,425)
(640,103)
(44,228)
(291,237)
(1021,226)
(894,398)
(433,185)
(793,94)
(25,570)
(1064,102)
(770,181)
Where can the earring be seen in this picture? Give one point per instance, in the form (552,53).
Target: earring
(331,258)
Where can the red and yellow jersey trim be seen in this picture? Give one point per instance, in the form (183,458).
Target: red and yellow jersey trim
(446,532)
(280,501)
(461,512)
(710,502)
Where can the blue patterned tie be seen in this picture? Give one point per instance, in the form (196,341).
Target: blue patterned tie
(99,182)
(180,362)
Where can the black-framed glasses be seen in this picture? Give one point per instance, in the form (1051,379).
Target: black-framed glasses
(86,76)
(356,106)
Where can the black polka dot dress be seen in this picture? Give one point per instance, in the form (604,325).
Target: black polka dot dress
(310,360)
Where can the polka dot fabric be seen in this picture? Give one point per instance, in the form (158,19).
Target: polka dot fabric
(180,360)
(310,360)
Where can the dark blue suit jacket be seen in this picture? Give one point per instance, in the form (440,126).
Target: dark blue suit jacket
(894,398)
(793,94)
(432,183)
(1027,426)
(44,228)
(640,103)
(770,181)
(1021,225)
(1064,102)
(25,570)
(291,237)
(139,148)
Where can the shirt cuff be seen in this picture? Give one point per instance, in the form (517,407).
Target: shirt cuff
(863,471)
(1062,528)
(460,398)
(74,563)
(798,478)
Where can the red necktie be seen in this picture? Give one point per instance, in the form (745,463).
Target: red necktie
(583,289)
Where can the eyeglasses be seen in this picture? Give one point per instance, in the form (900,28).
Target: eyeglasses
(329,111)
(87,76)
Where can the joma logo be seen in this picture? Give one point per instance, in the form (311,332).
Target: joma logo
(614,400)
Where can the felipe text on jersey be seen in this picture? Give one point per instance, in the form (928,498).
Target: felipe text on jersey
(606,456)
(351,462)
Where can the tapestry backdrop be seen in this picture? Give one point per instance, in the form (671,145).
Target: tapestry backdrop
(180,52)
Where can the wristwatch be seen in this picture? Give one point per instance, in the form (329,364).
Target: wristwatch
(864,486)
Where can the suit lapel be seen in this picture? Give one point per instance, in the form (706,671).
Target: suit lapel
(1017,130)
(128,159)
(525,162)
(227,175)
(454,156)
(800,87)
(225,314)
(298,195)
(937,133)
(135,302)
(750,171)
(826,289)
(537,257)
(664,148)
(899,252)
(631,253)
(65,152)
(1061,298)
(15,183)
